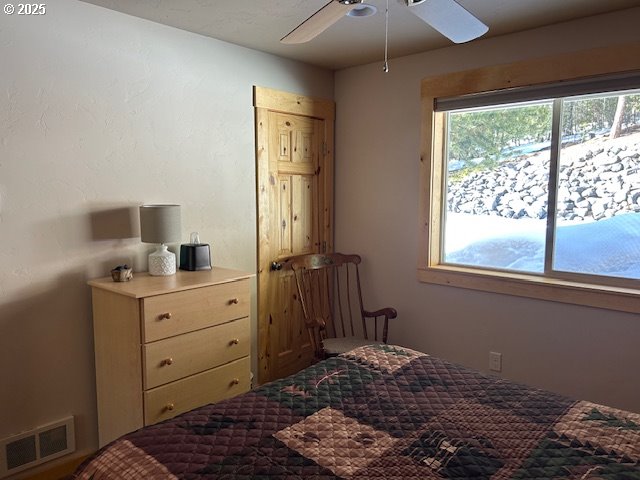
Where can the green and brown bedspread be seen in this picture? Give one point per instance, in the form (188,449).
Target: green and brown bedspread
(382,412)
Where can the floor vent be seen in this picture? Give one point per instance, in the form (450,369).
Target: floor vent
(36,446)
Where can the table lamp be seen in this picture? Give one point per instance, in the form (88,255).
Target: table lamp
(160,224)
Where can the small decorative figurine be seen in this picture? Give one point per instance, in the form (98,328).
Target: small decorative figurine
(122,273)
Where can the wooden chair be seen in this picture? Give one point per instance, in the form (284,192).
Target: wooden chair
(331,299)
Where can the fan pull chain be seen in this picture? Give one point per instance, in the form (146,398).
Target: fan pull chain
(385,67)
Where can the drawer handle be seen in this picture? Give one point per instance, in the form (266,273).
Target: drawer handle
(235,381)
(169,407)
(167,361)
(165,316)
(235,341)
(234,301)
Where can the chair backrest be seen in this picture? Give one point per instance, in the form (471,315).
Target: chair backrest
(331,297)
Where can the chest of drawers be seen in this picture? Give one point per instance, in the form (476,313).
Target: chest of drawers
(165,345)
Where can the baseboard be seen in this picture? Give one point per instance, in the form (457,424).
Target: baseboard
(58,472)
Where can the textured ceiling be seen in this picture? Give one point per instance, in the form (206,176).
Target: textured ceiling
(259,24)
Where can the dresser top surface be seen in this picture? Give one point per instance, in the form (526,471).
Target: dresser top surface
(144,285)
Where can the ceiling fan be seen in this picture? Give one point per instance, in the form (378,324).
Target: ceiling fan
(447,16)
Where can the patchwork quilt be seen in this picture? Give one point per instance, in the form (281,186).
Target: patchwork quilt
(382,412)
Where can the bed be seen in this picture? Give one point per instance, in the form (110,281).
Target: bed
(382,412)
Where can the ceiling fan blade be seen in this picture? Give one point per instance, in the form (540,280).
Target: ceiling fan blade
(319,22)
(449,18)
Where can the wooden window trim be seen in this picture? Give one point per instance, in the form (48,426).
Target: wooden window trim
(565,67)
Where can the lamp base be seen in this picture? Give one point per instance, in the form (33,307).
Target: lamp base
(162,262)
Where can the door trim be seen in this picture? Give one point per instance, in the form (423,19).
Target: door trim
(264,101)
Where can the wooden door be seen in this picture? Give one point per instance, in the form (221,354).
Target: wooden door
(294,136)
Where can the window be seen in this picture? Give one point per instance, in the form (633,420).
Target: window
(534,189)
(501,171)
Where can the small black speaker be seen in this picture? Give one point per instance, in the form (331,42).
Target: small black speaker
(195,255)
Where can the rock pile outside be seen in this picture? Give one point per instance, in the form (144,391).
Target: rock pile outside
(597,179)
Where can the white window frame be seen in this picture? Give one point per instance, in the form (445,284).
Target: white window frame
(538,73)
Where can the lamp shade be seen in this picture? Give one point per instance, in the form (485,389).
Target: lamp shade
(160,223)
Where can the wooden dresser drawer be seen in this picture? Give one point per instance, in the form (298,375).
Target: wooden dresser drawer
(185,311)
(206,387)
(176,357)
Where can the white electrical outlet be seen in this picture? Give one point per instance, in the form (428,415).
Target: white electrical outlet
(495,361)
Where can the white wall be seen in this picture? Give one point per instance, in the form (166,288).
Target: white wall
(578,351)
(102,112)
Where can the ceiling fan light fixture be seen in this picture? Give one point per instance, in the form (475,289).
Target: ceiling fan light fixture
(362,10)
